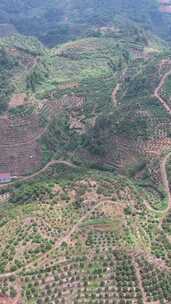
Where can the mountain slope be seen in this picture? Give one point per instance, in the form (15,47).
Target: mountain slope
(85,135)
(54,22)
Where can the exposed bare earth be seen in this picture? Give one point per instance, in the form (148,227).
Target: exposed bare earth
(157,92)
(114,94)
(20,152)
(17,100)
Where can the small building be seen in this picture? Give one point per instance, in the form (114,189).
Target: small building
(5,177)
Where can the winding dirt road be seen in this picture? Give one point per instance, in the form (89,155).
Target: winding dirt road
(158,90)
(50,164)
(164,177)
(114,93)
(37,173)
(164,160)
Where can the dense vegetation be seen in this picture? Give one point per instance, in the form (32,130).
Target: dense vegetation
(54,22)
(7,66)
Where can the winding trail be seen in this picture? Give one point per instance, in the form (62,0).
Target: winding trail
(158,89)
(42,170)
(114,93)
(49,164)
(164,160)
(164,177)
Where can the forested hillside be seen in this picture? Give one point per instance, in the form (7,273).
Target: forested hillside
(54,22)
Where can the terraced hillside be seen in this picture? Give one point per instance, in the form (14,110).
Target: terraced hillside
(86,239)
(58,96)
(56,224)
(85,132)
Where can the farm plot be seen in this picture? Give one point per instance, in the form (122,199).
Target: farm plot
(20,152)
(67,246)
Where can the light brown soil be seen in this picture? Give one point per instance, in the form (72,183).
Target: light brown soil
(102,227)
(114,94)
(17,100)
(110,209)
(70,85)
(76,123)
(157,146)
(159,87)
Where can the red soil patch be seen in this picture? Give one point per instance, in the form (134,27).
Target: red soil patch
(14,131)
(156,146)
(17,100)
(21,160)
(20,152)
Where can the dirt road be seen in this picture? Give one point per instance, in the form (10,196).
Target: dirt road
(164,177)
(37,173)
(164,160)
(114,93)
(158,90)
